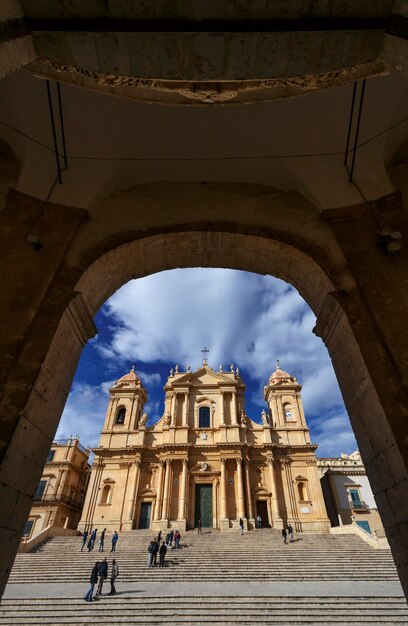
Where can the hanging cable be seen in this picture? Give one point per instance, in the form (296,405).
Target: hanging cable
(54,135)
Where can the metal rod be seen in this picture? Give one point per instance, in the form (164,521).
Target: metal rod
(53,131)
(350,123)
(62,125)
(360,108)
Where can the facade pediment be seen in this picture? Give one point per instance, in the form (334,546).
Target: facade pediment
(203,376)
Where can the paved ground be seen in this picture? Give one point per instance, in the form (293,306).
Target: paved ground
(206,588)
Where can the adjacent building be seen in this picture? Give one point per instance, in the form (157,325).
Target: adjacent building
(205,458)
(348,494)
(60,494)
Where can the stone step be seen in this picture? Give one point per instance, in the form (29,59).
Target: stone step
(217,611)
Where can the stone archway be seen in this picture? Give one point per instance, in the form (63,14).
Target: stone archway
(258,238)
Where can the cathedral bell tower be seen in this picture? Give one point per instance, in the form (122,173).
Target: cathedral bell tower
(283,395)
(125,409)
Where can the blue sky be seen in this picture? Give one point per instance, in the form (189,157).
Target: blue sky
(243,318)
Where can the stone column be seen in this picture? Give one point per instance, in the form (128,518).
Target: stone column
(166,490)
(234,408)
(133,490)
(222,415)
(240,498)
(185,410)
(173,410)
(248,490)
(276,518)
(223,491)
(183,491)
(157,508)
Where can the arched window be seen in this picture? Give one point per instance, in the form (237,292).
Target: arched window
(204,417)
(106,496)
(120,415)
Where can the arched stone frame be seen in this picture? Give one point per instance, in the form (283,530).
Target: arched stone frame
(331,292)
(263,495)
(107,487)
(145,495)
(288,406)
(120,415)
(302,489)
(204,401)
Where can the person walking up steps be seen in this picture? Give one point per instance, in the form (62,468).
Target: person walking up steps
(171,535)
(92,540)
(150,554)
(84,538)
(284,535)
(199,527)
(177,538)
(259,521)
(241,525)
(113,577)
(155,551)
(290,533)
(162,553)
(93,580)
(103,575)
(115,538)
(102,540)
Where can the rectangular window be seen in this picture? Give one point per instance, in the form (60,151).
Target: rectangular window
(204,417)
(50,456)
(28,527)
(355,496)
(40,490)
(364,525)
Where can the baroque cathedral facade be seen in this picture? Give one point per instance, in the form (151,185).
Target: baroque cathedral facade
(205,458)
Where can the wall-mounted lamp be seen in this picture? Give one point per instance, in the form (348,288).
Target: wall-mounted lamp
(34,242)
(390,241)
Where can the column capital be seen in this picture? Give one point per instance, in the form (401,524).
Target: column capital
(270,459)
(184,461)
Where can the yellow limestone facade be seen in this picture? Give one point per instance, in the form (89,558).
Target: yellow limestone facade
(205,458)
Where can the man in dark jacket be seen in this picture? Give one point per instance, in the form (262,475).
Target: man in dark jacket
(103,575)
(84,539)
(93,580)
(162,553)
(155,549)
(284,535)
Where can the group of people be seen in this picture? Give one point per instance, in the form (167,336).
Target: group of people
(159,546)
(98,576)
(90,542)
(287,532)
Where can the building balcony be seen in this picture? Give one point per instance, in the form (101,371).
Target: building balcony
(359,506)
(57,499)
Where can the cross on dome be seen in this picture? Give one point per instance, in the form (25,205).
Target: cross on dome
(204,352)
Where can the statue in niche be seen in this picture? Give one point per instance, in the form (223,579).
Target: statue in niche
(143,420)
(242,419)
(167,419)
(264,418)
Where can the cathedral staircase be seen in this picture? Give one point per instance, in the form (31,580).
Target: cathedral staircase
(257,556)
(185,594)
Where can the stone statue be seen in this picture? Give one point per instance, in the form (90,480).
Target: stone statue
(171,372)
(176,369)
(242,419)
(143,420)
(232,368)
(220,368)
(188,369)
(237,371)
(264,418)
(167,419)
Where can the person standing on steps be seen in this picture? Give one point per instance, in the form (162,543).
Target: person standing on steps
(241,525)
(150,554)
(177,538)
(155,551)
(93,580)
(168,539)
(115,538)
(159,537)
(162,553)
(102,540)
(171,535)
(290,533)
(259,521)
(113,577)
(84,538)
(284,535)
(92,540)
(103,575)
(199,527)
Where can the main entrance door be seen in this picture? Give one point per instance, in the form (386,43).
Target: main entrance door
(262,510)
(145,511)
(203,505)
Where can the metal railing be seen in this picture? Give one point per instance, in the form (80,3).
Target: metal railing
(358,505)
(51,499)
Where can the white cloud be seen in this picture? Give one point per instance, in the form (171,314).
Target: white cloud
(247,319)
(84,412)
(334,435)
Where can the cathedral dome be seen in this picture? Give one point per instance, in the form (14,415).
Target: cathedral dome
(131,379)
(280,376)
